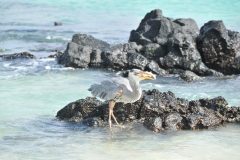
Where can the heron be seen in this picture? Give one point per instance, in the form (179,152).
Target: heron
(121,89)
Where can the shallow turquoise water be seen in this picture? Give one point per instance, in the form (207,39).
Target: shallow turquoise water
(31,92)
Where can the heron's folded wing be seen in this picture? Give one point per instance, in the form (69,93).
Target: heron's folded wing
(106,90)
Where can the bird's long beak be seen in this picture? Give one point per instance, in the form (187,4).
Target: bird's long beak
(148,76)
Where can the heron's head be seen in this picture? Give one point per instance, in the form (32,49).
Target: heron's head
(141,75)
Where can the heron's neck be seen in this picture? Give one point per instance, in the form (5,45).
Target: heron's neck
(137,91)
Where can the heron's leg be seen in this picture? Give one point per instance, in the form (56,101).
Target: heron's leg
(111,106)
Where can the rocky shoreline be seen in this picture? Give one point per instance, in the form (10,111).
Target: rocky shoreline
(162,45)
(156,110)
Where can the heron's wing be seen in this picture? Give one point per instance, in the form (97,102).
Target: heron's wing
(108,89)
(122,82)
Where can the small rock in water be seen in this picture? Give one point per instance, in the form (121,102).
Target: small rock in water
(57,23)
(23,55)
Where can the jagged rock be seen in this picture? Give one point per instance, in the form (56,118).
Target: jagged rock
(93,122)
(155,28)
(90,41)
(232,114)
(137,60)
(123,112)
(197,121)
(23,55)
(154,124)
(57,23)
(172,121)
(156,103)
(78,110)
(116,57)
(157,110)
(76,56)
(56,55)
(96,58)
(83,51)
(219,47)
(173,42)
(131,47)
(185,75)
(152,51)
(159,44)
(153,66)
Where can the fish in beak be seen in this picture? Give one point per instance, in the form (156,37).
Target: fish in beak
(147,75)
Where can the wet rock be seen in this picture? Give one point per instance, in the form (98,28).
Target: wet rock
(152,51)
(90,41)
(123,112)
(154,124)
(157,103)
(83,51)
(78,110)
(185,75)
(76,56)
(137,60)
(116,57)
(131,47)
(216,104)
(219,47)
(96,58)
(157,110)
(155,28)
(232,114)
(93,122)
(23,55)
(172,42)
(197,121)
(57,23)
(56,55)
(172,121)
(154,67)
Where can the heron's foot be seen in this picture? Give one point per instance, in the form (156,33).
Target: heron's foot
(110,126)
(120,126)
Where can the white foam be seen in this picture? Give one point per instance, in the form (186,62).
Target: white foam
(47,67)
(48,37)
(47,59)
(6,65)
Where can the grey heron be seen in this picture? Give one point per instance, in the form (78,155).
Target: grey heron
(120,89)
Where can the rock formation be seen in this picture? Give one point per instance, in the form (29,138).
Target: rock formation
(157,111)
(23,55)
(162,45)
(219,47)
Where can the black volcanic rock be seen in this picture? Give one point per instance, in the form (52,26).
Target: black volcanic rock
(90,41)
(155,28)
(162,45)
(76,56)
(137,60)
(157,110)
(171,41)
(219,47)
(23,55)
(83,51)
(78,110)
(116,57)
(57,23)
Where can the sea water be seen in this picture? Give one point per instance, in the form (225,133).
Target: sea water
(32,91)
